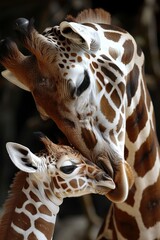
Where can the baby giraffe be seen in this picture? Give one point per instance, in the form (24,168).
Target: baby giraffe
(39,188)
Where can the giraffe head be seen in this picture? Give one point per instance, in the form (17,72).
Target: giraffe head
(63,171)
(77,75)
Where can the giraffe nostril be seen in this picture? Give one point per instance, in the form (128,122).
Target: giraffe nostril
(106,167)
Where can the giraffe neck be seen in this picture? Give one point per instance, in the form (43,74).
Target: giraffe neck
(31,211)
(139,216)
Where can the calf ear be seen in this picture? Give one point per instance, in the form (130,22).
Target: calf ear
(81,35)
(11,78)
(23,158)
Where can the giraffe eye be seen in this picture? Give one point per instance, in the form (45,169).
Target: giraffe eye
(68,169)
(84,85)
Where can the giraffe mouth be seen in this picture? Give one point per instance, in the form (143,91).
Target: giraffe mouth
(104,183)
(120,175)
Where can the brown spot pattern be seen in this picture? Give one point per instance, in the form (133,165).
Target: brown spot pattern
(116,98)
(109,87)
(126,153)
(81,182)
(22,221)
(150,205)
(46,184)
(90,25)
(95,65)
(112,36)
(73,54)
(128,51)
(92,69)
(107,110)
(64,185)
(132,83)
(109,74)
(112,136)
(43,209)
(125,224)
(26,185)
(35,184)
(116,68)
(100,60)
(145,156)
(89,138)
(60,179)
(45,227)
(31,208)
(137,121)
(87,55)
(101,127)
(34,197)
(119,125)
(105,57)
(73,183)
(121,87)
(32,236)
(130,200)
(61,65)
(99,87)
(112,27)
(47,193)
(21,200)
(100,77)
(79,59)
(113,53)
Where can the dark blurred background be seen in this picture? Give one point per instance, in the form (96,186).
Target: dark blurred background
(18,114)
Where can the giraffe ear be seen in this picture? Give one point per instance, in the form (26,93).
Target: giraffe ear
(23,158)
(81,35)
(11,78)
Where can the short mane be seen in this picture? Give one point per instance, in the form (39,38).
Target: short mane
(97,15)
(9,206)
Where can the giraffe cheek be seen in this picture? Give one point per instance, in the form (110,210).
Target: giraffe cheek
(73,183)
(123,180)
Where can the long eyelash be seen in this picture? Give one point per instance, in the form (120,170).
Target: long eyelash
(84,85)
(68,169)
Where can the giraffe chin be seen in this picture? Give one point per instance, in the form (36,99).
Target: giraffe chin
(123,180)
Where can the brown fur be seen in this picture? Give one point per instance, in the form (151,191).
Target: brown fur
(97,15)
(11,202)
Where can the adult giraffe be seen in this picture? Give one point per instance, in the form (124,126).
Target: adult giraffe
(87,75)
(38,190)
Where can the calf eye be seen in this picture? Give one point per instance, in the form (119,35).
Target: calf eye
(68,169)
(84,85)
